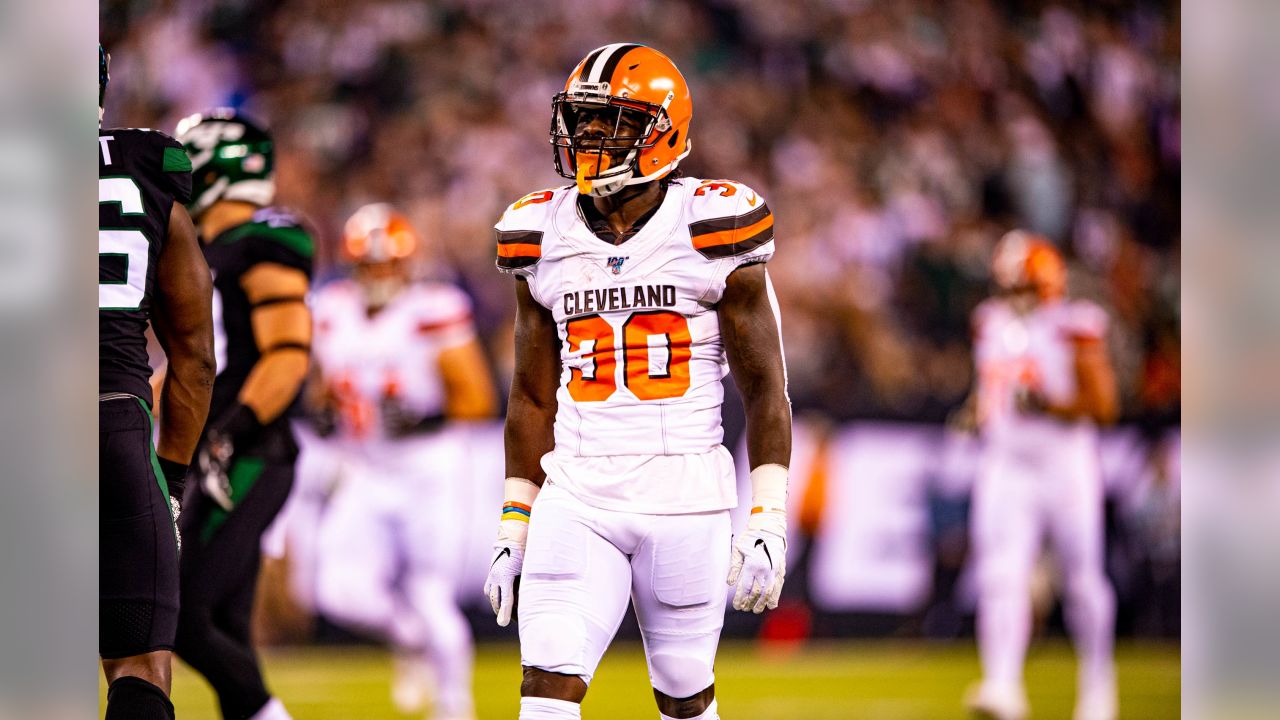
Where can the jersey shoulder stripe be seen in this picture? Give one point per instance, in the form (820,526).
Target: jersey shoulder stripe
(518,248)
(735,235)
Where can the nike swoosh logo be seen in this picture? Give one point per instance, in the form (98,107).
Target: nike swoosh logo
(507,552)
(760,542)
(753,199)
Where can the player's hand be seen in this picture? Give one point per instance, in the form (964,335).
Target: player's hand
(175,508)
(500,586)
(1030,401)
(213,465)
(758,568)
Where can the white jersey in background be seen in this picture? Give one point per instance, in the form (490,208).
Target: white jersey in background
(1036,351)
(640,394)
(393,354)
(1038,480)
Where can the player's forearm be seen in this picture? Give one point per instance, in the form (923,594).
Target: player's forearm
(274,382)
(469,392)
(768,426)
(184,404)
(528,435)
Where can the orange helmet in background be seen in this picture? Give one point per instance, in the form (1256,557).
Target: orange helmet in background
(379,239)
(378,233)
(625,78)
(1026,261)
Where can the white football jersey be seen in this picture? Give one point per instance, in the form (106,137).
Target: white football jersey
(1014,353)
(640,344)
(393,354)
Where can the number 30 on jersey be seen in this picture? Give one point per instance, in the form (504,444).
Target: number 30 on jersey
(655,352)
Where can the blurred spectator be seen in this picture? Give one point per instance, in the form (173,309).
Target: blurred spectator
(895,141)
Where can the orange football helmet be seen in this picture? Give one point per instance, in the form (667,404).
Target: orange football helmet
(1026,261)
(378,233)
(630,85)
(379,239)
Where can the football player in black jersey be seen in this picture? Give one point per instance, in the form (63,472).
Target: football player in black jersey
(261,262)
(150,269)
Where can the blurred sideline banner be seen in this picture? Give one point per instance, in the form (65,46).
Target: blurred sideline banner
(876,488)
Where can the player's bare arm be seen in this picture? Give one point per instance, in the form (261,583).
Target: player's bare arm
(750,327)
(282,331)
(469,392)
(183,323)
(1096,394)
(531,410)
(529,434)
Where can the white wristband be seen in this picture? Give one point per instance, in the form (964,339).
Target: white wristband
(769,499)
(517,506)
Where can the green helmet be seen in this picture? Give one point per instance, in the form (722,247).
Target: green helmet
(231,159)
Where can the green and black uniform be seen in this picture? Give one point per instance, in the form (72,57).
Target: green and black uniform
(141,173)
(220,556)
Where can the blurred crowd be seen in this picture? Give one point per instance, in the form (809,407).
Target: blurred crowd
(895,141)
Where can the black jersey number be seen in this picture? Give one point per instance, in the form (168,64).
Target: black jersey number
(129,243)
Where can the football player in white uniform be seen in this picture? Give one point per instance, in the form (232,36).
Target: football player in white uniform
(637,291)
(398,359)
(1044,384)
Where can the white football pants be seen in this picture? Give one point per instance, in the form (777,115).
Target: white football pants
(1017,502)
(389,546)
(583,563)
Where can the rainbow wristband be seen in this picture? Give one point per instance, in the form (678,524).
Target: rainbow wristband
(515,511)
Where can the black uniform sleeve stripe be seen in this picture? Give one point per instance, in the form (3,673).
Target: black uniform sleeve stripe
(704,227)
(287,345)
(518,237)
(279,301)
(516,263)
(742,246)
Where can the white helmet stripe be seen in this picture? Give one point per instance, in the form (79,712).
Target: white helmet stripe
(602,61)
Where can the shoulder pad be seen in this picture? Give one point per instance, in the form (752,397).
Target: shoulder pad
(159,156)
(1086,320)
(518,233)
(281,225)
(727,219)
(441,302)
(982,315)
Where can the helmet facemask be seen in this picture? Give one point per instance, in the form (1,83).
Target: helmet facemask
(601,165)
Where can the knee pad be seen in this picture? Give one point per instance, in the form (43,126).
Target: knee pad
(680,674)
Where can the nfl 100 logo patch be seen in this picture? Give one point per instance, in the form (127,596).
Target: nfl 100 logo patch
(615,264)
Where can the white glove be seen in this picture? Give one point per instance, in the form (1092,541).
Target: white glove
(508,551)
(758,564)
(175,509)
(500,586)
(758,568)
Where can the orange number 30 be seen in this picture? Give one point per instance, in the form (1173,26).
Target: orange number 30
(656,349)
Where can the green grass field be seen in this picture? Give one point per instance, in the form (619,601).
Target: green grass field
(875,680)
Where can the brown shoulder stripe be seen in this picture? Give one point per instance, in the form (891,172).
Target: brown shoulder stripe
(518,248)
(729,236)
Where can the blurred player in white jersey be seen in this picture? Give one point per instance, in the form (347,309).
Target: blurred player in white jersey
(397,360)
(1044,383)
(637,291)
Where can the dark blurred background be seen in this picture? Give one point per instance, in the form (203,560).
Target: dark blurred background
(895,141)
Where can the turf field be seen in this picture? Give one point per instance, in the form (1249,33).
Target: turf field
(875,680)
